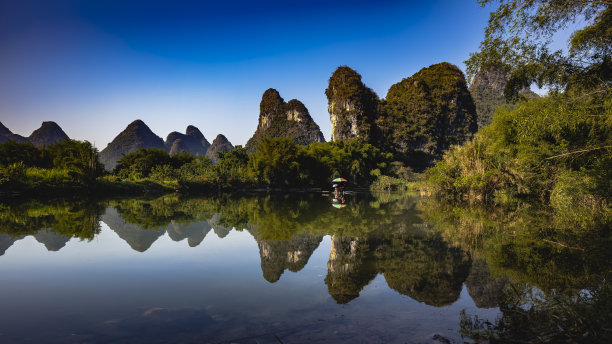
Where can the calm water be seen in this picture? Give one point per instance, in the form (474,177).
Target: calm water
(263,269)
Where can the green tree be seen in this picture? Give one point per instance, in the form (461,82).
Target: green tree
(140,163)
(276,162)
(233,165)
(12,152)
(79,158)
(518,38)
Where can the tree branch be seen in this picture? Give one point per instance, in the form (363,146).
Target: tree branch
(578,151)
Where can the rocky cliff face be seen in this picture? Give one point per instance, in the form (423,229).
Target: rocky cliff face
(352,106)
(193,141)
(48,133)
(427,113)
(137,135)
(220,143)
(487,89)
(280,119)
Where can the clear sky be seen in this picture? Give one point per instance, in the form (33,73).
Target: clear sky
(95,66)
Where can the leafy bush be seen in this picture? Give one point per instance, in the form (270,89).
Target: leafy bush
(576,202)
(527,149)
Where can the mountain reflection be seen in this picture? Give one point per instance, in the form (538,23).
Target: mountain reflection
(279,255)
(373,235)
(424,268)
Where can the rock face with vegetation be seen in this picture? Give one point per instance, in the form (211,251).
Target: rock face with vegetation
(280,119)
(137,135)
(193,141)
(48,133)
(219,144)
(352,106)
(487,89)
(422,116)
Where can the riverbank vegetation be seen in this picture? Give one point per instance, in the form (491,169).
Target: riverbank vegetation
(73,166)
(556,149)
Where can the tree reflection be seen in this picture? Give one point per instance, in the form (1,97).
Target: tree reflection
(551,283)
(423,249)
(53,223)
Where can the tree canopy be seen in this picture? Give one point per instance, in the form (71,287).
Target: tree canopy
(519,36)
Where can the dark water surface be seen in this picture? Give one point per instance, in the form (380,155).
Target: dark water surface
(273,269)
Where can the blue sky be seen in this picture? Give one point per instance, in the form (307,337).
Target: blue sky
(95,66)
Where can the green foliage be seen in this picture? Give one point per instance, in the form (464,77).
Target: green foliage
(578,202)
(279,162)
(518,37)
(232,168)
(199,170)
(67,163)
(78,219)
(388,183)
(80,159)
(527,147)
(427,113)
(13,174)
(276,162)
(12,152)
(359,161)
(141,163)
(163,173)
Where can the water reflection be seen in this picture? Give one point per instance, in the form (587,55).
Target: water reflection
(430,253)
(371,236)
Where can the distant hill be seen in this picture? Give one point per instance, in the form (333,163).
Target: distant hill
(48,133)
(280,119)
(7,135)
(193,141)
(137,135)
(220,143)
